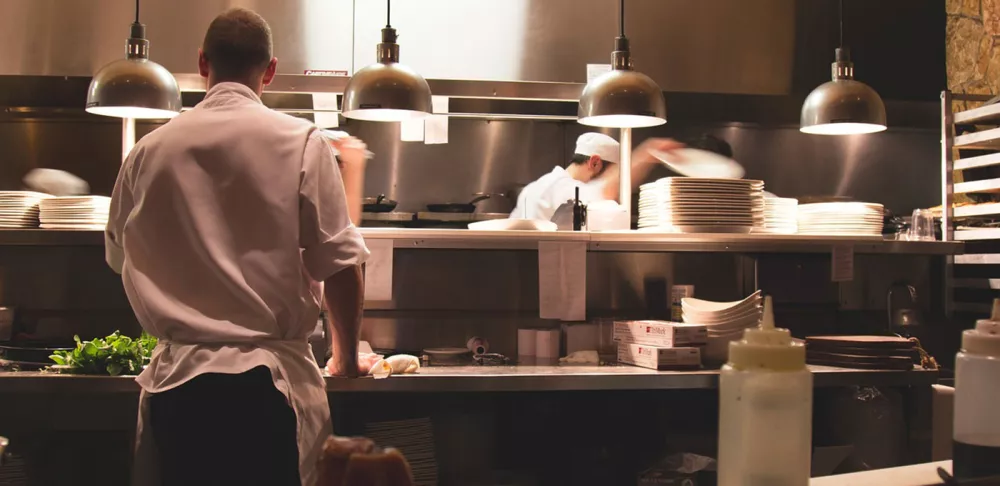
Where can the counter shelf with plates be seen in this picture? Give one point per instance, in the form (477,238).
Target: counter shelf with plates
(612,241)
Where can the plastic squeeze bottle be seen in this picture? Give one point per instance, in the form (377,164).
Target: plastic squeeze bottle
(976,447)
(765,409)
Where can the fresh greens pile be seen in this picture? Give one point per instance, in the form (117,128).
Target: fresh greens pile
(114,355)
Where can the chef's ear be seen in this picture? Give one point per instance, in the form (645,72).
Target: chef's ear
(272,67)
(202,63)
(595,162)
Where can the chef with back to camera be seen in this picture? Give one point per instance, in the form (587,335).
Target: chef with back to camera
(225,223)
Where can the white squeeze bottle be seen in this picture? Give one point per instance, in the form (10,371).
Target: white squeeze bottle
(765,409)
(976,448)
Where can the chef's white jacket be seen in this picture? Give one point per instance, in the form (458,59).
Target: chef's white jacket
(540,199)
(222,223)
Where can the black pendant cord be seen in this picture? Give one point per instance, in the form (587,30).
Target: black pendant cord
(621,18)
(137,11)
(841,23)
(388,13)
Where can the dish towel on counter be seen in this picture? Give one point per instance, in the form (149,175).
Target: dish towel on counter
(562,280)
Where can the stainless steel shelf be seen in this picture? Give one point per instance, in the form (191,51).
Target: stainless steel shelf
(977,161)
(986,139)
(653,242)
(983,186)
(988,209)
(984,115)
(474,89)
(495,379)
(620,241)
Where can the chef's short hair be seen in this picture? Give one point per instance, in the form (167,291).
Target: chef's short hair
(580,159)
(237,45)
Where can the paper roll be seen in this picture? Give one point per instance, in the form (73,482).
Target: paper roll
(547,343)
(526,342)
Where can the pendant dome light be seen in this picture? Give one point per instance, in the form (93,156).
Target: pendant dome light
(387,91)
(843,106)
(134,87)
(622,98)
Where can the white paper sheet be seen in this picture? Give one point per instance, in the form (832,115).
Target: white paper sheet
(842,263)
(562,280)
(378,270)
(596,70)
(411,131)
(325,101)
(436,126)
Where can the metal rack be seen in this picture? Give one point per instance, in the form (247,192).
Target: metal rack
(981,252)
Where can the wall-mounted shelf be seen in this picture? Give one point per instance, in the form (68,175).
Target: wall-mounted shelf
(619,241)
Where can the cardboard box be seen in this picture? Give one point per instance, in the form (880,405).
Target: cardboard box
(661,333)
(658,358)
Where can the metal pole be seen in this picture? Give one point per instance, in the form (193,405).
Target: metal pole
(128,136)
(947,167)
(947,193)
(625,174)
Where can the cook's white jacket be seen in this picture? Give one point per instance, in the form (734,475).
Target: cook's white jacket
(222,223)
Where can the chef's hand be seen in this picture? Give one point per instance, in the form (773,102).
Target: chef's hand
(643,153)
(344,368)
(353,153)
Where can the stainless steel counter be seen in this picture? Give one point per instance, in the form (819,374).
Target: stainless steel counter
(612,241)
(492,379)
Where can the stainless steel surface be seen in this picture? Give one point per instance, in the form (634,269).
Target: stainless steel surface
(134,87)
(980,186)
(76,37)
(985,139)
(983,115)
(554,40)
(616,241)
(843,102)
(475,379)
(972,162)
(387,90)
(391,216)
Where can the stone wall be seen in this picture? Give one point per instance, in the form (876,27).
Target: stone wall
(973,47)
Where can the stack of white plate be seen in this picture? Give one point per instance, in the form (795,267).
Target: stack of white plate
(415,439)
(725,321)
(841,219)
(75,212)
(780,216)
(701,205)
(19,209)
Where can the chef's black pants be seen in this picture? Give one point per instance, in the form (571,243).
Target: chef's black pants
(220,429)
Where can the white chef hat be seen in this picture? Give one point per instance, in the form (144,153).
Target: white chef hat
(598,144)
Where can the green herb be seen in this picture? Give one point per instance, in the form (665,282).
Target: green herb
(114,355)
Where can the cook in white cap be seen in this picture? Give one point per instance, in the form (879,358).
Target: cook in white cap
(593,169)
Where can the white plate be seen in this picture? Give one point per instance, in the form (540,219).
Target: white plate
(90,227)
(699,163)
(447,351)
(701,305)
(514,225)
(731,229)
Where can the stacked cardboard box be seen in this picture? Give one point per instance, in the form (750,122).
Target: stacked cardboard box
(660,345)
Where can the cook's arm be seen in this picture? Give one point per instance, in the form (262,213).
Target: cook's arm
(643,163)
(121,206)
(353,159)
(345,297)
(333,250)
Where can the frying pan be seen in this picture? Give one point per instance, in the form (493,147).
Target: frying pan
(469,207)
(380,204)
